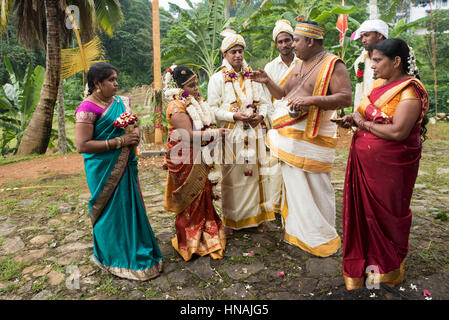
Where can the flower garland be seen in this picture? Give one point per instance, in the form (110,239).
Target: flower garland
(234,91)
(201,114)
(360,72)
(412,67)
(249,106)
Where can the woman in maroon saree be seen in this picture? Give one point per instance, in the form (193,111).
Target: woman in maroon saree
(382,169)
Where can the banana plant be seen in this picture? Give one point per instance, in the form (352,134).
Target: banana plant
(18,100)
(290,9)
(202,35)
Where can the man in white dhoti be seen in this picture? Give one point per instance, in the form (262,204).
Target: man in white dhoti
(278,70)
(370,33)
(304,139)
(240,105)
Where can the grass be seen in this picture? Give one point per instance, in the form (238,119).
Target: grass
(10,269)
(39,284)
(108,287)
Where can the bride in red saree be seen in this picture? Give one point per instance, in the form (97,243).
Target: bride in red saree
(382,169)
(189,188)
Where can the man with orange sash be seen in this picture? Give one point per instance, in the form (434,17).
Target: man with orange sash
(240,105)
(304,139)
(279,71)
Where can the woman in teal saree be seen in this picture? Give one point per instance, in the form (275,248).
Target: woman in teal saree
(124,242)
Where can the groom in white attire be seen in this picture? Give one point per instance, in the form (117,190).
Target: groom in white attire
(279,70)
(240,105)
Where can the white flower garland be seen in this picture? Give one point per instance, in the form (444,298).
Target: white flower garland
(200,112)
(412,67)
(202,116)
(232,88)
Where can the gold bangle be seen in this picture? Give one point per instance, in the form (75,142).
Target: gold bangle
(108,147)
(118,143)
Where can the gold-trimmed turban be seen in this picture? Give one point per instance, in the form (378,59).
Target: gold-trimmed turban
(230,40)
(309,30)
(282,26)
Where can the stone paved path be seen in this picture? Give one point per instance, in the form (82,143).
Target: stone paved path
(46,244)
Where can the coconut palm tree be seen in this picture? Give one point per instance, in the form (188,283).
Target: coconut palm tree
(44,22)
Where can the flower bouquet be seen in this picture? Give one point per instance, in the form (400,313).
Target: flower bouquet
(127,121)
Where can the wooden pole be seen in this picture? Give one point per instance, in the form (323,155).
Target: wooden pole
(434,61)
(157,71)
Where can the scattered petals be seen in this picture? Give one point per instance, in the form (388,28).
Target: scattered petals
(413,287)
(372,295)
(251,253)
(330,293)
(245,270)
(426,293)
(247,287)
(428,298)
(401,289)
(281,274)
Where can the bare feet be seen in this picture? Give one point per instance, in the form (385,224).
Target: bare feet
(262,227)
(228,232)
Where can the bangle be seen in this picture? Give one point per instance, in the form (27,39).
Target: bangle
(118,143)
(370,126)
(361,124)
(108,146)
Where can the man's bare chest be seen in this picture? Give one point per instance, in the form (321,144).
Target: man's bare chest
(303,83)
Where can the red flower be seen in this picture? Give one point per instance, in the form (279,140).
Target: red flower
(359,74)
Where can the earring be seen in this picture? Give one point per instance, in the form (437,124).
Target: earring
(98,90)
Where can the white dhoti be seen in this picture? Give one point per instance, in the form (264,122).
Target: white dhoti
(309,211)
(244,201)
(308,206)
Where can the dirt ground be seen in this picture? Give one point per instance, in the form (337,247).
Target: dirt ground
(73,163)
(45,230)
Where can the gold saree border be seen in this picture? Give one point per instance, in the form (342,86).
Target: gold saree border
(249,222)
(322,141)
(388,95)
(213,247)
(301,162)
(178,200)
(110,185)
(139,275)
(393,277)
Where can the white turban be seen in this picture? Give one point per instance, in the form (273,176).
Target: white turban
(282,26)
(372,25)
(231,39)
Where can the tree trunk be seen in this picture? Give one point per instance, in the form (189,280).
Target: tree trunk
(37,134)
(157,67)
(62,138)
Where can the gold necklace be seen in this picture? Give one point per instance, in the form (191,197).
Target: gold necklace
(101,101)
(302,76)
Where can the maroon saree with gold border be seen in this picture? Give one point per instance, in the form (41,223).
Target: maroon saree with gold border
(379,182)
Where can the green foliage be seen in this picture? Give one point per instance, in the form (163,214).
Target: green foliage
(18,99)
(131,47)
(18,55)
(200,36)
